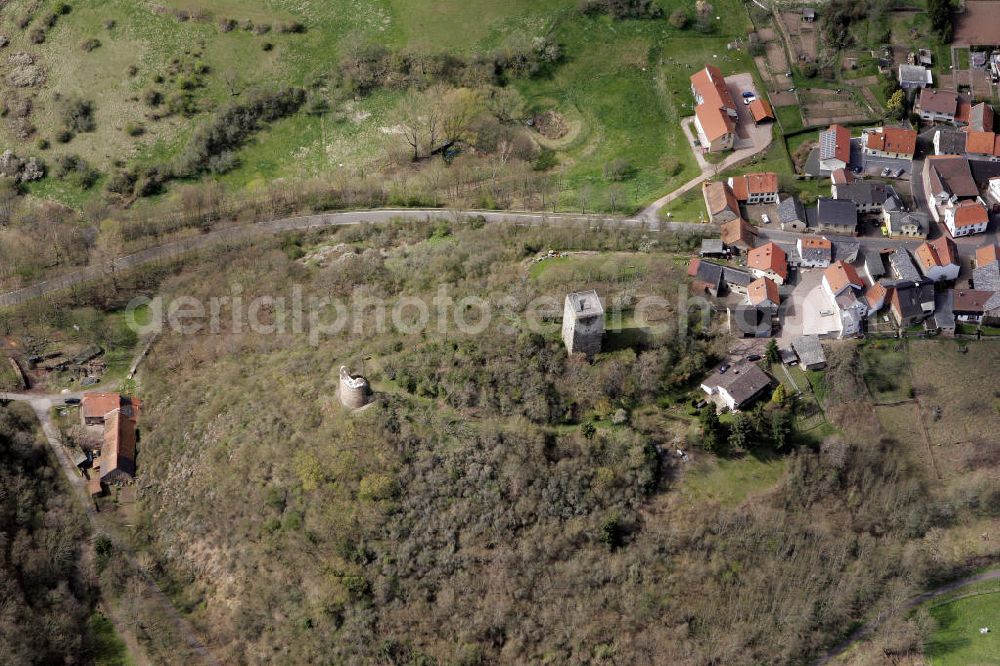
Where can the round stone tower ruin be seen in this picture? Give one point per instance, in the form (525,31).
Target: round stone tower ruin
(354,389)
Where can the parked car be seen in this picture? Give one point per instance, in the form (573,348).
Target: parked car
(723,368)
(765,219)
(71,401)
(754,357)
(886,172)
(749,94)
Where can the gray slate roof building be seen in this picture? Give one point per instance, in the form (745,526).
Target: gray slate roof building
(750,321)
(735,277)
(712,247)
(810,351)
(903,267)
(837,214)
(791,210)
(950,142)
(866,193)
(987,278)
(944,316)
(710,274)
(913,76)
(846,251)
(899,219)
(873,264)
(911,298)
(743,383)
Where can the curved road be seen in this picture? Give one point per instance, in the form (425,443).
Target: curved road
(865,629)
(175,249)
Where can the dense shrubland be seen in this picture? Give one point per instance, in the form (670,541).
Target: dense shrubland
(47,592)
(491,506)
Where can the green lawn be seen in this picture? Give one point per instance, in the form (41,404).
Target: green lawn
(885,366)
(789,117)
(731,481)
(957,641)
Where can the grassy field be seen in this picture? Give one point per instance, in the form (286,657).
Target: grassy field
(957,640)
(969,406)
(730,482)
(622,84)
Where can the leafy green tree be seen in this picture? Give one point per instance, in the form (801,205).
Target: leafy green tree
(740,432)
(896,104)
(771,351)
(781,427)
(940,15)
(780,395)
(711,429)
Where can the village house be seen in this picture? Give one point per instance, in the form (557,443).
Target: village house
(938,259)
(969,305)
(792,215)
(981,118)
(755,188)
(876,295)
(809,352)
(911,303)
(763,293)
(738,387)
(912,77)
(719,200)
(872,265)
(891,142)
(905,224)
(814,251)
(949,142)
(834,148)
(837,216)
(769,261)
(936,106)
(966,218)
(946,181)
(117,461)
(715,112)
(748,321)
(943,319)
(736,280)
(95,406)
(869,196)
(738,235)
(706,277)
(982,145)
(903,267)
(843,285)
(987,254)
(841,177)
(993,188)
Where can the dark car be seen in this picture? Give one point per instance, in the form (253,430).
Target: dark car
(754,357)
(723,368)
(71,401)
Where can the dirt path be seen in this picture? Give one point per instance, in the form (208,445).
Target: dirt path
(865,629)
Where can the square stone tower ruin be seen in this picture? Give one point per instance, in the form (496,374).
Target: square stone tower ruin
(583,323)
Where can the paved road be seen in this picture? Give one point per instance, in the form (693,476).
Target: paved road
(42,406)
(175,249)
(865,629)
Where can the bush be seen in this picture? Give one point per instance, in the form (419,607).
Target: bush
(152,97)
(135,129)
(210,147)
(78,115)
(36,36)
(618,170)
(90,44)
(545,160)
(64,136)
(671,165)
(622,9)
(679,18)
(809,70)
